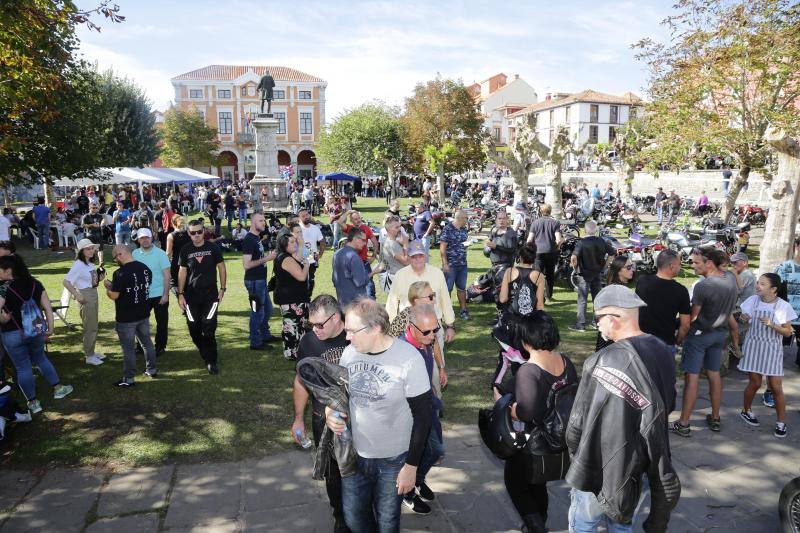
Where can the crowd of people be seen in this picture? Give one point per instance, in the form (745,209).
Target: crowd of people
(380,442)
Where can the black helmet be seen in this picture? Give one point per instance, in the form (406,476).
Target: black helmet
(497,429)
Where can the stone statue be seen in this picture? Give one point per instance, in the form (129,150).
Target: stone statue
(265,86)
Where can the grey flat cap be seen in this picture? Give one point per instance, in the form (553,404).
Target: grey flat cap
(618,296)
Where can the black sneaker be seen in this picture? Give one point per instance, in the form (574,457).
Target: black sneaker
(425,492)
(272,338)
(260,348)
(780,430)
(749,418)
(213,370)
(123,383)
(415,503)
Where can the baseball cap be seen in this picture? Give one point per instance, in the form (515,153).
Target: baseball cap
(415,248)
(739,256)
(618,296)
(144,232)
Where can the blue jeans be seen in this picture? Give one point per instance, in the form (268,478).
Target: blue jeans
(260,310)
(456,275)
(370,284)
(229,215)
(585,287)
(660,212)
(369,497)
(242,216)
(25,354)
(128,332)
(44,236)
(434,450)
(122,237)
(585,514)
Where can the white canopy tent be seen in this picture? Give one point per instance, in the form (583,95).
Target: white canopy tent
(140,176)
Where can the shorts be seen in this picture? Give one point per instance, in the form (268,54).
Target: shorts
(703,351)
(457,275)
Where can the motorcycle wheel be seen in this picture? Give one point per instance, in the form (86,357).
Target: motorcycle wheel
(571,232)
(789,507)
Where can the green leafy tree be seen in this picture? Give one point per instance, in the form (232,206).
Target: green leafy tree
(630,146)
(188,142)
(520,156)
(729,71)
(361,141)
(40,84)
(442,112)
(553,157)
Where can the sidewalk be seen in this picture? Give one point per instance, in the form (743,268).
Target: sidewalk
(731,482)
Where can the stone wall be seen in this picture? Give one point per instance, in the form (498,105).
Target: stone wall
(688,183)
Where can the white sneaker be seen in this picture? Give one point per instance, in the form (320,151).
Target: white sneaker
(100,356)
(23,417)
(94,360)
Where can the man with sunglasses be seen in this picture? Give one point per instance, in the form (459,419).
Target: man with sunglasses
(327,339)
(199,262)
(617,432)
(421,334)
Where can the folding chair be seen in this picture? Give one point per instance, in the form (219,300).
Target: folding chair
(61,307)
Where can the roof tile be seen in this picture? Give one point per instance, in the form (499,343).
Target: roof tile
(231,72)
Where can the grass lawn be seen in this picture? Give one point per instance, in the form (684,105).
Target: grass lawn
(186,415)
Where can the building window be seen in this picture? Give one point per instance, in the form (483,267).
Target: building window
(195,93)
(305,123)
(281,122)
(497,134)
(593,112)
(279,94)
(613,116)
(612,134)
(202,115)
(551,137)
(592,134)
(305,95)
(225,124)
(552,118)
(223,93)
(566,114)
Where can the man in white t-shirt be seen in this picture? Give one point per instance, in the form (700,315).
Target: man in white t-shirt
(314,241)
(390,417)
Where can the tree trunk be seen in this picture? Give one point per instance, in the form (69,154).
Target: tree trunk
(440,183)
(733,193)
(783,206)
(49,196)
(553,193)
(392,185)
(521,186)
(627,192)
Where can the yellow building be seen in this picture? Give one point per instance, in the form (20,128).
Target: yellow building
(226,97)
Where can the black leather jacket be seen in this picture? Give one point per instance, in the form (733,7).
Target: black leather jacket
(329,384)
(617,431)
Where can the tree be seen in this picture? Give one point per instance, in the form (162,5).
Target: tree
(553,158)
(630,145)
(40,76)
(729,71)
(520,157)
(188,142)
(361,141)
(127,122)
(782,218)
(442,112)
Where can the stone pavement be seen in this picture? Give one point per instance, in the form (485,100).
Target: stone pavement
(731,482)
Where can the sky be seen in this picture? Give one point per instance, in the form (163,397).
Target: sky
(381,50)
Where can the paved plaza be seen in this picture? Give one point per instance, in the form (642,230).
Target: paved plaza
(731,482)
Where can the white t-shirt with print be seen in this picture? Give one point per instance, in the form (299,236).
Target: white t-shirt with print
(82,275)
(380,416)
(311,236)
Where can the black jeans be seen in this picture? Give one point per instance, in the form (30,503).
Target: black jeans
(546,264)
(161,314)
(528,499)
(201,317)
(333,478)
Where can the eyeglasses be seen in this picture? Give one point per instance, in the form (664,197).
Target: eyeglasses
(426,332)
(597,318)
(354,331)
(198,232)
(431,297)
(320,325)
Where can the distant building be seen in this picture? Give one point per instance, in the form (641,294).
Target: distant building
(226,97)
(591,116)
(498,99)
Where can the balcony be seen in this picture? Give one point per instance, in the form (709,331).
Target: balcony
(245,138)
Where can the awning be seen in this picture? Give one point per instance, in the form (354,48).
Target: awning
(150,175)
(337,176)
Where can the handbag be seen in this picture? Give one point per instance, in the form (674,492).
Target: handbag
(550,467)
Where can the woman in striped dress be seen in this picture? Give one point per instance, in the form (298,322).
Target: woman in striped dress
(770,317)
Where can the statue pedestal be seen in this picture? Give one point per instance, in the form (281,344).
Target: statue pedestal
(269,190)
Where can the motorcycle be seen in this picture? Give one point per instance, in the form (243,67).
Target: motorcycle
(751,213)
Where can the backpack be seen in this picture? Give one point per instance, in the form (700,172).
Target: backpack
(33,324)
(553,430)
